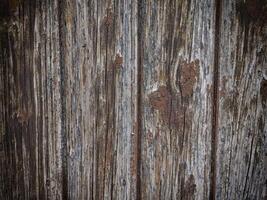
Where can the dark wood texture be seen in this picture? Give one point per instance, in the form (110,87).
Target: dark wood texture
(140,99)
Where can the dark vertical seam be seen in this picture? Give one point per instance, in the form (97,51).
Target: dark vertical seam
(64,149)
(114,112)
(169,64)
(32,106)
(47,155)
(22,80)
(106,29)
(4,100)
(215,97)
(95,141)
(140,55)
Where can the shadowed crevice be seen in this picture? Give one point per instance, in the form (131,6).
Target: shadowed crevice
(64,138)
(140,57)
(215,97)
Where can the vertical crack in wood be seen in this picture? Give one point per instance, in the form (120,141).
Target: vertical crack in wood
(216,76)
(64,150)
(140,55)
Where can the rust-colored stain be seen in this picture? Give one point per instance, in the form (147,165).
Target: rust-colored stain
(170,110)
(189,72)
(190,187)
(109,17)
(160,99)
(23,115)
(108,31)
(118,61)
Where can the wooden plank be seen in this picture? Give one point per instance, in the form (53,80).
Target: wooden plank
(242,101)
(177,39)
(142,99)
(18,104)
(69,130)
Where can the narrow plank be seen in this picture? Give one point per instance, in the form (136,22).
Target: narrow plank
(241,153)
(177,39)
(71,69)
(18,104)
(100,50)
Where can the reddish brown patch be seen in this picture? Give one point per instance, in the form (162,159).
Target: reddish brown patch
(189,73)
(109,17)
(23,116)
(190,187)
(160,99)
(170,109)
(118,61)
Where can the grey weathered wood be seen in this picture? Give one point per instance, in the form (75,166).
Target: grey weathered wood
(69,132)
(177,57)
(241,173)
(140,99)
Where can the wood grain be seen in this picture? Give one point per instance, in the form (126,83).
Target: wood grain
(140,99)
(242,107)
(178,71)
(68,97)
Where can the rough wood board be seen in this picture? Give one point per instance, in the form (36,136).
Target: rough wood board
(142,99)
(69,101)
(241,152)
(178,46)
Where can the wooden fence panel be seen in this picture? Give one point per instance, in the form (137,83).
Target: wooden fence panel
(133,99)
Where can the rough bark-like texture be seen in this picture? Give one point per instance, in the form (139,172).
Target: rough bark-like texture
(68,100)
(177,57)
(140,99)
(242,121)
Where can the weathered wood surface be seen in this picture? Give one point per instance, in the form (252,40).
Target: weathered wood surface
(141,99)
(242,122)
(178,45)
